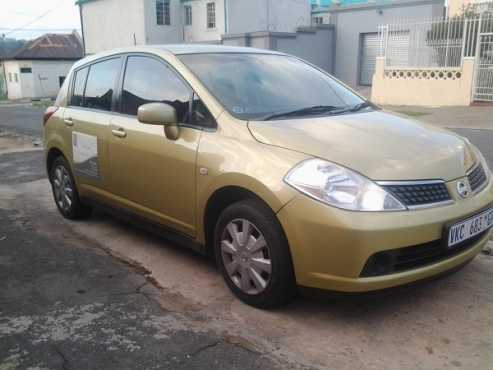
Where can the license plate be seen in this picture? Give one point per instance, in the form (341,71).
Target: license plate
(473,226)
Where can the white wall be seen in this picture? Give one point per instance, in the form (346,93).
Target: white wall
(163,34)
(14,88)
(42,82)
(110,24)
(46,77)
(198,31)
(268,15)
(288,15)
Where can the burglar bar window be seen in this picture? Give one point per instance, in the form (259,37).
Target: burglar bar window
(211,15)
(163,16)
(188,15)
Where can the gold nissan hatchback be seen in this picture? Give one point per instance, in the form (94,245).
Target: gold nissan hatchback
(287,176)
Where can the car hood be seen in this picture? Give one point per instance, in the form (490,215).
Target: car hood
(377,144)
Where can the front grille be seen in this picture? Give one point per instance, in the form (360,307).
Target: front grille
(408,258)
(420,193)
(477,177)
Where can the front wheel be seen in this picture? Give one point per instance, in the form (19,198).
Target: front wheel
(253,255)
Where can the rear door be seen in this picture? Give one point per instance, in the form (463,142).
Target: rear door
(87,119)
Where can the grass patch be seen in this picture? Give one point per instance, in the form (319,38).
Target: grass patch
(42,103)
(412,113)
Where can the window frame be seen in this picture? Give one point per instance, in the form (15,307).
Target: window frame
(166,12)
(188,15)
(119,103)
(89,65)
(210,15)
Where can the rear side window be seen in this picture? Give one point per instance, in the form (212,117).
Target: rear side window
(79,84)
(101,83)
(148,80)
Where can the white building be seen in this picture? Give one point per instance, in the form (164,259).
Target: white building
(38,69)
(108,24)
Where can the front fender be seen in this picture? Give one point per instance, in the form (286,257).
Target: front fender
(259,168)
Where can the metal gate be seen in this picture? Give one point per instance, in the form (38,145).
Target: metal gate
(368,56)
(483,85)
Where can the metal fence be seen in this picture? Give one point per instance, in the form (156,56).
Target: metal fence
(437,43)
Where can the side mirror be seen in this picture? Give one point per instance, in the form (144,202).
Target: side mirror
(160,114)
(157,114)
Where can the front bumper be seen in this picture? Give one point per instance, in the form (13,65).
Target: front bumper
(330,246)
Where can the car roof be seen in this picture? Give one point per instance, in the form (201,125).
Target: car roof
(179,49)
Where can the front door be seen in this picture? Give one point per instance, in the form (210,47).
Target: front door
(150,173)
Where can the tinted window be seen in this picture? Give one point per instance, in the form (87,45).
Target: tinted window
(79,84)
(253,86)
(101,84)
(148,80)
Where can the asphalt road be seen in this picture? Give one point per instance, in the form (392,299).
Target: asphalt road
(23,119)
(67,304)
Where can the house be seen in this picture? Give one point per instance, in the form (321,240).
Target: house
(457,7)
(38,69)
(108,24)
(340,36)
(356,23)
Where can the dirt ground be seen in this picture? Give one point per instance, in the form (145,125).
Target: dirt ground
(447,323)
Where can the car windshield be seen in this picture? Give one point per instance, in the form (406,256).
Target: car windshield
(267,86)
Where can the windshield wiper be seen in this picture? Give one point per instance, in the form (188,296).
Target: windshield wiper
(360,106)
(316,109)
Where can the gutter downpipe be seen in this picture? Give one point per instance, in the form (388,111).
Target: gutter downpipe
(226,16)
(5,77)
(82,29)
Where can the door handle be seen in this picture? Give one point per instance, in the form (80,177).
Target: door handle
(120,132)
(68,121)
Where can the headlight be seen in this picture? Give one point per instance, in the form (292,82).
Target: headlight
(340,187)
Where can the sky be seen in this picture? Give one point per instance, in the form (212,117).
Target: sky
(55,16)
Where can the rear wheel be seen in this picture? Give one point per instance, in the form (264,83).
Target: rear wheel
(253,254)
(65,191)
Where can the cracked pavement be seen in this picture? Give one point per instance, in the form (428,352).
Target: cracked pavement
(66,305)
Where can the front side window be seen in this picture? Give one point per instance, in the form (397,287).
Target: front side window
(188,15)
(257,86)
(163,15)
(100,84)
(79,85)
(211,15)
(148,80)
(10,76)
(16,77)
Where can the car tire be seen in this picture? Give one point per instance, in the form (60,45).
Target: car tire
(260,276)
(65,191)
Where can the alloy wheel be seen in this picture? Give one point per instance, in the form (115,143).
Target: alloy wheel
(63,188)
